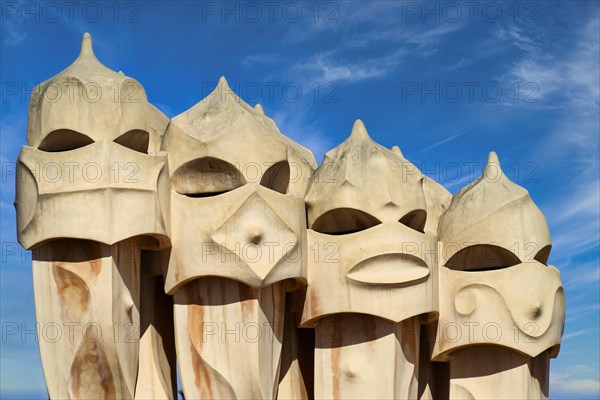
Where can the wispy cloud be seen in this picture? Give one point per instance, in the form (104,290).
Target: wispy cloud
(446,140)
(254,59)
(582,310)
(569,84)
(514,34)
(568,80)
(327,67)
(577,333)
(13,28)
(297,123)
(572,385)
(365,28)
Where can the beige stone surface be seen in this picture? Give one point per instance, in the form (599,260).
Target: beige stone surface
(363,259)
(502,310)
(127,192)
(493,213)
(372,271)
(212,242)
(366,357)
(238,234)
(92,196)
(493,373)
(229,338)
(85,103)
(87,306)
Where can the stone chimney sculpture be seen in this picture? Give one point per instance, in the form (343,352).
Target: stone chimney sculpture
(496,287)
(215,241)
(375,279)
(92,196)
(239,233)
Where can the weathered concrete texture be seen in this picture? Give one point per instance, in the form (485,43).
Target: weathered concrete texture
(214,241)
(93,194)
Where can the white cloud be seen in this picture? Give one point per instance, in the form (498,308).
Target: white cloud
(14,29)
(573,385)
(367,26)
(327,67)
(569,84)
(514,33)
(297,123)
(575,313)
(577,333)
(570,80)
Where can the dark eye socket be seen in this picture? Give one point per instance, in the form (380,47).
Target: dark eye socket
(415,220)
(277,177)
(487,257)
(206,177)
(343,221)
(543,255)
(135,139)
(482,257)
(64,140)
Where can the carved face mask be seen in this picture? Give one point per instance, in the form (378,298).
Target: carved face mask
(495,288)
(91,194)
(367,250)
(83,167)
(237,213)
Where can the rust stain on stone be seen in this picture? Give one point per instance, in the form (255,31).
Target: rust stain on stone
(336,348)
(202,378)
(73,292)
(91,376)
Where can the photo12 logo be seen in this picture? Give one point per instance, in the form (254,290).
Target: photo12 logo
(469,11)
(124,12)
(251,12)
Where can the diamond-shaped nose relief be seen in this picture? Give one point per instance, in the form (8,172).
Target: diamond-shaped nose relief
(256,235)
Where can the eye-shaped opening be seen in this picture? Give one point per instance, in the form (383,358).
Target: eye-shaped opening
(415,220)
(135,139)
(342,221)
(482,257)
(206,177)
(277,177)
(64,140)
(543,255)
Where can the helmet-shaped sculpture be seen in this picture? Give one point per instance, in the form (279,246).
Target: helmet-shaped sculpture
(239,233)
(372,271)
(367,205)
(93,138)
(92,192)
(500,306)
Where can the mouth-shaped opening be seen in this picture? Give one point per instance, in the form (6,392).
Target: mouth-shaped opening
(64,140)
(206,177)
(343,221)
(389,269)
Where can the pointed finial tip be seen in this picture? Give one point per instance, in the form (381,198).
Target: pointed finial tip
(86,45)
(493,170)
(493,158)
(222,85)
(258,107)
(359,130)
(397,150)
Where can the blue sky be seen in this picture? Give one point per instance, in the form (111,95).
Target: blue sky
(447,83)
